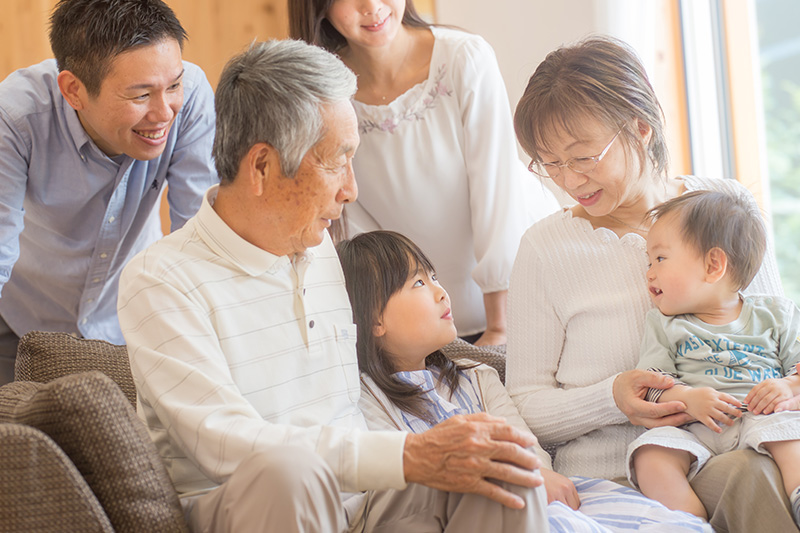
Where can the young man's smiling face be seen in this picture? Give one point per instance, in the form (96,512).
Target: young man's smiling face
(137,103)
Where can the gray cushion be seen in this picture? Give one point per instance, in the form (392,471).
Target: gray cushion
(44,356)
(94,424)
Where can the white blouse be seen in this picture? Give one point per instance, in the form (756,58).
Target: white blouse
(440,165)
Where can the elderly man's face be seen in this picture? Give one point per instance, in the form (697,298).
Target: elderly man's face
(323,184)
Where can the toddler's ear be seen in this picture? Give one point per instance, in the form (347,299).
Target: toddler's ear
(716,263)
(378,330)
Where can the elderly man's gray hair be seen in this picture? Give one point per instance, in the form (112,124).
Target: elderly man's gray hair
(272,93)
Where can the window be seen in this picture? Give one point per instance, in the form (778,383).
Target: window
(779,56)
(743,92)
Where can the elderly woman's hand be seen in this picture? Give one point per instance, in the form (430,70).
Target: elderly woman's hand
(792,404)
(629,392)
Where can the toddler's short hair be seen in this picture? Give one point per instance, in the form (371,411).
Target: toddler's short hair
(724,220)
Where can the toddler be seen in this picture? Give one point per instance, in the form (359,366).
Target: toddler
(733,357)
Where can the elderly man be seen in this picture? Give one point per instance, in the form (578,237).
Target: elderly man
(242,343)
(87,142)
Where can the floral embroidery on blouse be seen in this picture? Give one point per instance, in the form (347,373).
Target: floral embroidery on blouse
(416,111)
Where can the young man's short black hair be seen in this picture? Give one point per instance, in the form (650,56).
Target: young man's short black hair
(86,35)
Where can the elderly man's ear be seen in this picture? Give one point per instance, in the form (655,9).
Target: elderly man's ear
(261,163)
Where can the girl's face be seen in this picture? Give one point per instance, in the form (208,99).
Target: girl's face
(416,322)
(369,23)
(617,180)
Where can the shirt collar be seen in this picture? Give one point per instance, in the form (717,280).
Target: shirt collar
(228,244)
(83,142)
(76,131)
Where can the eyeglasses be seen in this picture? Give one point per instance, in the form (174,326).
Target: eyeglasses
(581,165)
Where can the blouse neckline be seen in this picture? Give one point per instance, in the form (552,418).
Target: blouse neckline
(415,93)
(603,233)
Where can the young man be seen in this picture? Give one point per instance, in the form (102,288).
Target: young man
(87,141)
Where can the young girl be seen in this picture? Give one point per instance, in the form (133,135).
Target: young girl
(404,320)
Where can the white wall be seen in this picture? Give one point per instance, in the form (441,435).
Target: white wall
(522,32)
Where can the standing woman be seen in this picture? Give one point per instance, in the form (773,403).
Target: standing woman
(591,122)
(437,160)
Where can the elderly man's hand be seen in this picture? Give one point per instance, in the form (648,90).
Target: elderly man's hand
(464,452)
(629,391)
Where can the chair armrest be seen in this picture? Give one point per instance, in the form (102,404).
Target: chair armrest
(42,490)
(494,356)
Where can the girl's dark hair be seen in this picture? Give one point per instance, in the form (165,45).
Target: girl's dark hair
(308,21)
(376,265)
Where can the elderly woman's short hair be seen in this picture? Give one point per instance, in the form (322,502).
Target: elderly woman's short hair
(272,93)
(599,78)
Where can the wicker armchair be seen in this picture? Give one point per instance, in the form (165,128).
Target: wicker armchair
(75,457)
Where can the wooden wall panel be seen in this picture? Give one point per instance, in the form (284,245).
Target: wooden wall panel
(217,30)
(23,33)
(426,8)
(672,88)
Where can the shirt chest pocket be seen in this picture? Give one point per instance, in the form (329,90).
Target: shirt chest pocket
(345,341)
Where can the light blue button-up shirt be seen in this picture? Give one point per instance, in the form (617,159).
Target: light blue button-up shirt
(71,217)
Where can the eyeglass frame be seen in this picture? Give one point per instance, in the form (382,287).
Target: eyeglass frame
(559,166)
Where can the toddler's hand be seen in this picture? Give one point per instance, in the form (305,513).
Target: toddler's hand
(711,407)
(765,397)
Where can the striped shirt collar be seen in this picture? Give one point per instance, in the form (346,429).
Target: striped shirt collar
(464,399)
(228,244)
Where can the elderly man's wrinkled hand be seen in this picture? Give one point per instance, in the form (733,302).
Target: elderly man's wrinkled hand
(629,391)
(464,453)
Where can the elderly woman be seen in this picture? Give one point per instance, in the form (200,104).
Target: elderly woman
(591,122)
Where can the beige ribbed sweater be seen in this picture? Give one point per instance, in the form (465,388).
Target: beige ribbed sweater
(577,305)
